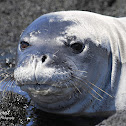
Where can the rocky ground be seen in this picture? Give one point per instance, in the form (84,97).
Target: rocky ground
(15,16)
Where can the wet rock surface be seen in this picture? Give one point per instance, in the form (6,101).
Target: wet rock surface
(13,110)
(15,16)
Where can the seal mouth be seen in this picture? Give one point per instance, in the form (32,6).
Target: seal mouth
(35,86)
(38,86)
(44,94)
(43,89)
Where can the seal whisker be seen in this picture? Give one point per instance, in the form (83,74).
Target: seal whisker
(12,82)
(5,78)
(6,86)
(77,88)
(89,87)
(100,89)
(55,52)
(95,86)
(94,96)
(94,90)
(90,93)
(80,71)
(63,82)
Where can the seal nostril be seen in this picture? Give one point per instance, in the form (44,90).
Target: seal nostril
(44,58)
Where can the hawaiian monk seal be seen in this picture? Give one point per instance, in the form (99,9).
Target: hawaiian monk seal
(74,62)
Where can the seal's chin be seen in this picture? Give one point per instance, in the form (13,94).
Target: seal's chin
(46,93)
(50,98)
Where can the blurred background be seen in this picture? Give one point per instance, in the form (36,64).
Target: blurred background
(16,15)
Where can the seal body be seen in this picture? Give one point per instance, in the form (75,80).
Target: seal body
(74,62)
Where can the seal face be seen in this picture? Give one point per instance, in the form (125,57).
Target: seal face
(69,62)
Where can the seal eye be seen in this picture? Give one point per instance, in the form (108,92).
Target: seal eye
(24,44)
(77,47)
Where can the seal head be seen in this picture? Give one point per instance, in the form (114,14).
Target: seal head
(65,63)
